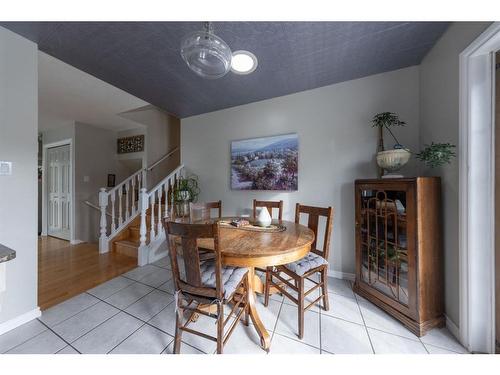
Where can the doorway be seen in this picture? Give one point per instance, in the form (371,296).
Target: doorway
(59,174)
(58,191)
(477,186)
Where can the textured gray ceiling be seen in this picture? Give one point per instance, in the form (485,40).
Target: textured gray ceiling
(143,58)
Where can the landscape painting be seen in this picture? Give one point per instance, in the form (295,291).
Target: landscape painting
(269,163)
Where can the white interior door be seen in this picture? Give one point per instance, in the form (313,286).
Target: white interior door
(59,192)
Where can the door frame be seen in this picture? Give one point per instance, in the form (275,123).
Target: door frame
(476,192)
(65,142)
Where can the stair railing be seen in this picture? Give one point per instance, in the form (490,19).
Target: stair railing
(124,207)
(152,201)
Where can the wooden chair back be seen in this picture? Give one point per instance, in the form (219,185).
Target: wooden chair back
(189,234)
(202,211)
(269,205)
(314,214)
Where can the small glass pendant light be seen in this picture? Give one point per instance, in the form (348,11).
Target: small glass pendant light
(206,54)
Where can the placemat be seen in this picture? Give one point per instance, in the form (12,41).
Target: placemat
(251,227)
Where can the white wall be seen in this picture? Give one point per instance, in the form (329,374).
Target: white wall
(439,116)
(336,146)
(18,192)
(95,158)
(162,136)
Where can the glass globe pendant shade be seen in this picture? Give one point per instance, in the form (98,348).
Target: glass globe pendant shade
(206,54)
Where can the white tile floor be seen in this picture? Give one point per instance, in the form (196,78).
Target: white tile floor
(134,313)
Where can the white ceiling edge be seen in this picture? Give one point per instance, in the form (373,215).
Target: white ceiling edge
(67,95)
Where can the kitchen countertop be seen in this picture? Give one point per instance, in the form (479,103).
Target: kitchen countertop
(6,254)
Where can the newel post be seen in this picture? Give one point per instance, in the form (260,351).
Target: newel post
(142,257)
(103,238)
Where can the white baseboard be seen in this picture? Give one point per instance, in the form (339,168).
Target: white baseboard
(342,275)
(19,320)
(76,242)
(452,327)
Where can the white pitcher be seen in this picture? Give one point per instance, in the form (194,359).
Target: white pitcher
(264,218)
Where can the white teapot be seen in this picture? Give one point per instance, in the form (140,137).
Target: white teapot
(264,218)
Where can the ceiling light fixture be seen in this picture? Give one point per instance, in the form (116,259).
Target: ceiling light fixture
(243,62)
(206,54)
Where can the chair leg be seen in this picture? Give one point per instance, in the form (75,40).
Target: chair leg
(324,280)
(301,299)
(220,328)
(178,332)
(247,306)
(267,286)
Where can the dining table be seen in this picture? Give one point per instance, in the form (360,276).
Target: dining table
(250,247)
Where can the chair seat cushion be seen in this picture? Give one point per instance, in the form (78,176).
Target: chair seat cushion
(307,263)
(231,276)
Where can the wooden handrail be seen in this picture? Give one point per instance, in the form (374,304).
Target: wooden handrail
(95,207)
(167,155)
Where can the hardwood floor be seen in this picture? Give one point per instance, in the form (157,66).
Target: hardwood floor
(66,270)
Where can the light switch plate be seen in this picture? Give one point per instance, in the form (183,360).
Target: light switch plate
(5,168)
(86,178)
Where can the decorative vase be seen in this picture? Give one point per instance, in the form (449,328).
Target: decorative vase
(182,208)
(263,219)
(392,161)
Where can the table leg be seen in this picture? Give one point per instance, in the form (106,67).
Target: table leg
(265,339)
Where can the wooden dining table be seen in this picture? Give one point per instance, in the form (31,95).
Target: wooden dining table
(241,247)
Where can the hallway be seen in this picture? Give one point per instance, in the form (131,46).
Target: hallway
(65,270)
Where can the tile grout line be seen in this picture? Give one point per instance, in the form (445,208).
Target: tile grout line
(71,316)
(425,347)
(62,338)
(25,341)
(114,347)
(364,323)
(275,324)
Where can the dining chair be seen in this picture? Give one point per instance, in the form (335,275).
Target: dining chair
(313,263)
(205,283)
(203,210)
(269,205)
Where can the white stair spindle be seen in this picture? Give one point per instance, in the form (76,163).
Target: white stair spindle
(127,198)
(133,196)
(159,224)
(103,238)
(152,212)
(167,206)
(120,203)
(113,223)
(143,204)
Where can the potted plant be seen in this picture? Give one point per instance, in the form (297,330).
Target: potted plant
(437,154)
(185,190)
(433,155)
(390,160)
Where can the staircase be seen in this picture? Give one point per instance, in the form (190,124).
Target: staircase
(127,242)
(130,221)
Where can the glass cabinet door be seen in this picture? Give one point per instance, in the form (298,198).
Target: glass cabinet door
(383,242)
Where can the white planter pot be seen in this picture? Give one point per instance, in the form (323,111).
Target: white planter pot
(393,160)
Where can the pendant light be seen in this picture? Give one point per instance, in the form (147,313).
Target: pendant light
(206,54)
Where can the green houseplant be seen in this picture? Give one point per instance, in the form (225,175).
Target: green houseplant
(437,154)
(185,190)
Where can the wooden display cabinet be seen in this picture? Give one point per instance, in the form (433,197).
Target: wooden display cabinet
(399,249)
